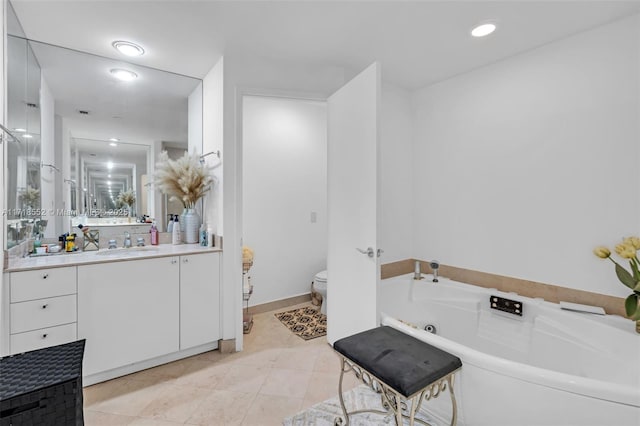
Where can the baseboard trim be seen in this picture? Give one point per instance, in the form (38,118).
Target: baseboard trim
(550,293)
(279,304)
(143,365)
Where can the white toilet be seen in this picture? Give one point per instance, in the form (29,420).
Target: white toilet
(320,286)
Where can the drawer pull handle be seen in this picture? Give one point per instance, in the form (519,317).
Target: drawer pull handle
(44,336)
(173,261)
(186,261)
(45,276)
(45,306)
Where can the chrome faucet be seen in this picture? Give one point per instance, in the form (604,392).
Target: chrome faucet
(140,242)
(434,267)
(112,244)
(127,239)
(417,275)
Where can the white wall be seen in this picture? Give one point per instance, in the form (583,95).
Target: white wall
(522,167)
(48,176)
(212,141)
(396,149)
(284,181)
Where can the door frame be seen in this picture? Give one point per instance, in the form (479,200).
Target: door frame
(240,93)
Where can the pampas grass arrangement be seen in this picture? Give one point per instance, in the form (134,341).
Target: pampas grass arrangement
(185,179)
(127,197)
(30,196)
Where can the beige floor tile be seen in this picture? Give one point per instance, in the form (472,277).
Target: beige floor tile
(286,382)
(327,362)
(140,421)
(175,403)
(269,410)
(244,378)
(322,386)
(203,374)
(222,408)
(165,373)
(131,398)
(102,391)
(96,418)
(298,358)
(263,358)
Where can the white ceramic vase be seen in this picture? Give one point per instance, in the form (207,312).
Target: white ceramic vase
(190,226)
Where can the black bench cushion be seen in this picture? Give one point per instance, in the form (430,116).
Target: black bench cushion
(405,363)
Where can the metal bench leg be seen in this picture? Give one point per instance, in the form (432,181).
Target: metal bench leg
(454,407)
(345,416)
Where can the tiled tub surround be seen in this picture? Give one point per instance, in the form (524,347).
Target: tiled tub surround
(137,308)
(580,368)
(551,293)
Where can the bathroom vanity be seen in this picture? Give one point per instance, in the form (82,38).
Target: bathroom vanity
(136,308)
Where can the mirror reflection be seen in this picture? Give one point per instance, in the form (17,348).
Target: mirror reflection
(87,129)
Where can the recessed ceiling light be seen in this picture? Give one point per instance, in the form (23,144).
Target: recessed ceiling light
(110,165)
(109,182)
(124,75)
(114,139)
(20,130)
(127,48)
(483,30)
(109,176)
(113,144)
(27,135)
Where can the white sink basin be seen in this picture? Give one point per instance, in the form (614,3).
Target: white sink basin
(127,251)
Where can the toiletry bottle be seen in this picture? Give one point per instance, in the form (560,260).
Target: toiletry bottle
(203,235)
(175,234)
(154,234)
(210,237)
(170,224)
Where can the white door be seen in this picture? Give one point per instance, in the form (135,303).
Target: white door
(352,204)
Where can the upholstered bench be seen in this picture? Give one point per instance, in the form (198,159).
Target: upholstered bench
(400,368)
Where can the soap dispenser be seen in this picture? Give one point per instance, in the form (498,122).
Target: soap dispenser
(170,224)
(176,238)
(154,234)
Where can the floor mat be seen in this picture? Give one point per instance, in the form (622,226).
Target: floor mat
(359,398)
(306,322)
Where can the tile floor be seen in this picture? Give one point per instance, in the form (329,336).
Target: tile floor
(277,375)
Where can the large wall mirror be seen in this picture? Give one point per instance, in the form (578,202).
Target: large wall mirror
(86,128)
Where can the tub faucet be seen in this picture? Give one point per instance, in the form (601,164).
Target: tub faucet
(417,274)
(434,267)
(127,239)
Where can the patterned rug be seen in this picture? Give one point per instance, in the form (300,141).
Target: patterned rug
(359,398)
(306,322)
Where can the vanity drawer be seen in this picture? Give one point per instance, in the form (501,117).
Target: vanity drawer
(26,316)
(41,283)
(42,338)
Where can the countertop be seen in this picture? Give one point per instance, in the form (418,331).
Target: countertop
(105,255)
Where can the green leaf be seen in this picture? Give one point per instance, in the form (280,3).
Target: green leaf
(634,268)
(625,277)
(631,307)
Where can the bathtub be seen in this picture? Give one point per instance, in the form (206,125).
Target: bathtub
(548,367)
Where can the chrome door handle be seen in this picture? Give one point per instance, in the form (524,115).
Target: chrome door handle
(380,251)
(368,251)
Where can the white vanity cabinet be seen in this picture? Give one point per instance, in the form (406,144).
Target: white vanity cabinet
(199,299)
(42,308)
(128,311)
(134,313)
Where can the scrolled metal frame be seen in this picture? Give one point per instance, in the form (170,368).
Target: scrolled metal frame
(391,399)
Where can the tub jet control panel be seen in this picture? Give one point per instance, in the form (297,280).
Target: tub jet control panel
(506,305)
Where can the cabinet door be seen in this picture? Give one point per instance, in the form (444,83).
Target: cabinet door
(128,311)
(199,299)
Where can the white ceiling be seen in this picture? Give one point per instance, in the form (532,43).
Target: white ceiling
(418,43)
